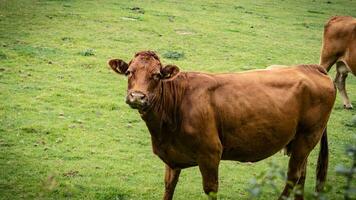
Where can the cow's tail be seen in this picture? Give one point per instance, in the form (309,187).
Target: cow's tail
(323,160)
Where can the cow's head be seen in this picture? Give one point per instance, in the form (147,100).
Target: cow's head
(144,73)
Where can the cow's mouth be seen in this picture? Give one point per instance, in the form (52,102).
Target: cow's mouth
(137,100)
(139,105)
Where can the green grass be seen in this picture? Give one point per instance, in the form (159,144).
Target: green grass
(65,131)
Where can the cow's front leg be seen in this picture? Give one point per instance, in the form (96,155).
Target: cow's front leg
(170,181)
(209,168)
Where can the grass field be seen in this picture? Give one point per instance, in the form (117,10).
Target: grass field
(65,130)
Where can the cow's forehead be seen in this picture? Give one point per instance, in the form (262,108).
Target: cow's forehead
(145,62)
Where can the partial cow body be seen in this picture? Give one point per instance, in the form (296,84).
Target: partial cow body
(200,119)
(339,46)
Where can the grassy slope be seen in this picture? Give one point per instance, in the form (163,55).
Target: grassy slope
(65,131)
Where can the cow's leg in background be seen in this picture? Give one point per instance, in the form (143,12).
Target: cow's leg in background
(341,75)
(170,181)
(209,167)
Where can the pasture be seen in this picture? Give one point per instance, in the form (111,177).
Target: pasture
(65,130)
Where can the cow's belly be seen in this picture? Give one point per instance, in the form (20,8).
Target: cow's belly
(243,154)
(249,145)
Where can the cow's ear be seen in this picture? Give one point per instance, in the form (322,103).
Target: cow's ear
(118,65)
(169,72)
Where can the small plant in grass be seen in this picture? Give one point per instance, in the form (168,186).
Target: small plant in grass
(2,56)
(352,122)
(348,173)
(266,180)
(138,10)
(174,55)
(88,52)
(67,39)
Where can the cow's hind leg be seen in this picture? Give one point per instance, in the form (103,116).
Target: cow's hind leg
(341,75)
(170,181)
(301,146)
(295,169)
(300,192)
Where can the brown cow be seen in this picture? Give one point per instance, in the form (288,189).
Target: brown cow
(199,119)
(339,46)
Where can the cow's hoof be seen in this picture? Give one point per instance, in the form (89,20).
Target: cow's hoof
(348,107)
(212,196)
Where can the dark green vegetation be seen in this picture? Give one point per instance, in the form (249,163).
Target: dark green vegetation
(65,131)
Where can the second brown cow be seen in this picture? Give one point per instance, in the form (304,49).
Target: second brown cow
(198,119)
(339,46)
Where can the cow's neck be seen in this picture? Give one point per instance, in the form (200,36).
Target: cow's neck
(163,117)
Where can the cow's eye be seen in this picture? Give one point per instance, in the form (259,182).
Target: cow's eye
(156,76)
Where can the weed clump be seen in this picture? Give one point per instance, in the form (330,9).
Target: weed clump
(88,52)
(35,130)
(269,180)
(2,56)
(266,180)
(67,39)
(138,10)
(174,55)
(352,123)
(348,173)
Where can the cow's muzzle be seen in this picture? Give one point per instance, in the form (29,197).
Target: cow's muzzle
(137,100)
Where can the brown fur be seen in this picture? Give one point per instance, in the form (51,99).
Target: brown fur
(199,118)
(339,46)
